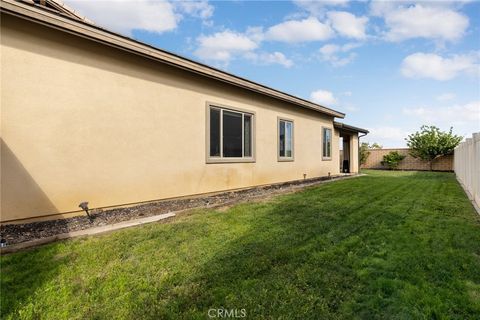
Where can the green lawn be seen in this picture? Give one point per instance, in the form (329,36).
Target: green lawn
(389,245)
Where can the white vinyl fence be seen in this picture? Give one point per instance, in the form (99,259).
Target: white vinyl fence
(466,164)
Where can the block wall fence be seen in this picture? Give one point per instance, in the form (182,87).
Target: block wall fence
(467,166)
(375,158)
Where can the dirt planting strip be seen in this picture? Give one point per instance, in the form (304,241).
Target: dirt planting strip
(19,233)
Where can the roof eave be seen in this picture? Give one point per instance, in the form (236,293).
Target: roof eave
(346,127)
(95,33)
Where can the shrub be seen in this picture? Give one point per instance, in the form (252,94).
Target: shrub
(392,159)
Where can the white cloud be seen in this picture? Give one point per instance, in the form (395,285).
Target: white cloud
(351,108)
(337,55)
(446,96)
(431,20)
(317,8)
(329,49)
(329,99)
(199,9)
(310,29)
(255,33)
(125,16)
(382,8)
(270,58)
(387,136)
(430,65)
(455,115)
(223,46)
(348,25)
(320,3)
(464,118)
(323,97)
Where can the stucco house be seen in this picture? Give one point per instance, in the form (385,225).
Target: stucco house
(90,115)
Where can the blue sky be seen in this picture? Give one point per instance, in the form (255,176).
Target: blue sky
(390,66)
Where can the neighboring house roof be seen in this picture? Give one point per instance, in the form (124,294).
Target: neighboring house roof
(59,7)
(350,128)
(61,17)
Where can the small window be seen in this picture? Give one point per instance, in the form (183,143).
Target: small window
(285,140)
(327,143)
(230,134)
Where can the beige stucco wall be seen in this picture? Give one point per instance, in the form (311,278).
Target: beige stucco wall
(354,153)
(85,122)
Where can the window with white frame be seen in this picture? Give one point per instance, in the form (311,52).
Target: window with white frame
(327,143)
(285,139)
(230,134)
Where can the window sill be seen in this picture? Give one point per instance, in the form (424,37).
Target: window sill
(230,160)
(285,159)
(326,158)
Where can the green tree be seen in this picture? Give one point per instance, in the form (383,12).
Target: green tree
(392,159)
(364,153)
(430,143)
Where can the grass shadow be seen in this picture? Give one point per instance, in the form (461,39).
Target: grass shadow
(375,247)
(23,280)
(24,275)
(329,253)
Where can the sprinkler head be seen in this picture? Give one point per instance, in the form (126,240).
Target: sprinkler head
(84,206)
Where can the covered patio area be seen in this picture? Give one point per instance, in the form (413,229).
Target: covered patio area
(349,146)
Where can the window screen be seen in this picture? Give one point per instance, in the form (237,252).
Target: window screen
(230,133)
(285,139)
(327,143)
